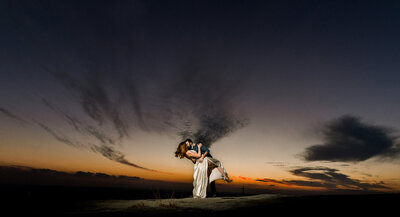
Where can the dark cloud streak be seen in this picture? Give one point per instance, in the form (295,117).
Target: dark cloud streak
(196,102)
(327,178)
(106,143)
(208,95)
(59,137)
(18,175)
(93,98)
(13,116)
(117,156)
(192,102)
(332,178)
(348,139)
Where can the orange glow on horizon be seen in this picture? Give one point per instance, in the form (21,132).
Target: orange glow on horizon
(38,151)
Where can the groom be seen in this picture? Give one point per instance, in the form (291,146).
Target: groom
(205,152)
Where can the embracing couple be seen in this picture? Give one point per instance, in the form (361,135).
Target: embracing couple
(206,168)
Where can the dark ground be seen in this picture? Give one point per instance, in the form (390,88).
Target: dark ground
(70,201)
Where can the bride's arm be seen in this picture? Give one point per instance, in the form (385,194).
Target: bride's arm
(197,155)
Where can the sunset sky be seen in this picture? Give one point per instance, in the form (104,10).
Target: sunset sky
(287,94)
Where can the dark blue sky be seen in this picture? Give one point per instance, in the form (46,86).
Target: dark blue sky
(271,70)
(299,47)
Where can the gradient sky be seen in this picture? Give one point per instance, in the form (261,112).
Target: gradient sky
(308,91)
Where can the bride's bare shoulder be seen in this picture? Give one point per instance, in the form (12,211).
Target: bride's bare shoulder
(189,152)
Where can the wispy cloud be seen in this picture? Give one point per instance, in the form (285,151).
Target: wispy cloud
(93,98)
(273,182)
(13,116)
(207,96)
(192,102)
(59,137)
(117,156)
(332,178)
(324,177)
(17,174)
(105,144)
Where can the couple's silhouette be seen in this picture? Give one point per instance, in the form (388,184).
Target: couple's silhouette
(206,168)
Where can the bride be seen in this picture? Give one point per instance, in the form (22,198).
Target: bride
(206,168)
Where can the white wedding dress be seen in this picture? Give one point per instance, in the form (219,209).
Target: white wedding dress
(200,179)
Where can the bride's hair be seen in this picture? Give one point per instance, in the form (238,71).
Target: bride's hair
(181,150)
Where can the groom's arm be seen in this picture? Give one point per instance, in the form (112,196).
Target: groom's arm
(203,156)
(197,155)
(205,149)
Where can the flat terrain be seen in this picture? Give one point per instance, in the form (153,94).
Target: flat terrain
(159,206)
(73,201)
(264,204)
